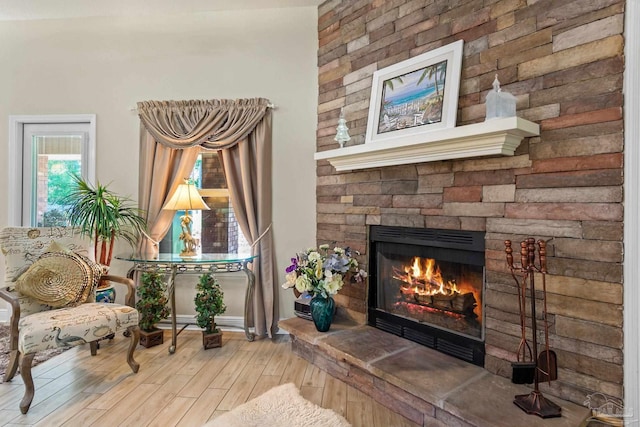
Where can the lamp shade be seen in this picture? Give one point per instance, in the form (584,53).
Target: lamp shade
(186,197)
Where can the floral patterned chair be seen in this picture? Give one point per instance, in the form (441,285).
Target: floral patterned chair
(50,285)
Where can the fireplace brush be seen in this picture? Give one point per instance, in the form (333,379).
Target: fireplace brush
(524,369)
(534,402)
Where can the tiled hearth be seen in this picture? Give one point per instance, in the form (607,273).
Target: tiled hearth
(425,386)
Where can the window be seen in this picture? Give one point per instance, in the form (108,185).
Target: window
(216,229)
(45,151)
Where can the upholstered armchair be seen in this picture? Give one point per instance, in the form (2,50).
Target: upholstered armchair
(50,282)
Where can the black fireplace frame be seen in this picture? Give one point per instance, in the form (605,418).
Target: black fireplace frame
(468,244)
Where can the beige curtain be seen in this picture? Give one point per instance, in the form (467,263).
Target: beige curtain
(171,135)
(247,168)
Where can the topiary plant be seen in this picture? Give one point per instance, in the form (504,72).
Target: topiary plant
(152,302)
(209,303)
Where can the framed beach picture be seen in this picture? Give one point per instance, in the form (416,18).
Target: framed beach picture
(415,96)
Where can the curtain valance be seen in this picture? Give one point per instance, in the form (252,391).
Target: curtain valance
(212,124)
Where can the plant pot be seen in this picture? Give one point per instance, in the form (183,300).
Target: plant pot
(211,339)
(152,338)
(106,295)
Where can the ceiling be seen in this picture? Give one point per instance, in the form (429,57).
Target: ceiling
(57,9)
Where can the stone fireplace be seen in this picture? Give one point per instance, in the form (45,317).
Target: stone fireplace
(427,285)
(565,66)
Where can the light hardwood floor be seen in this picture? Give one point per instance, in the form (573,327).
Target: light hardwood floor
(184,389)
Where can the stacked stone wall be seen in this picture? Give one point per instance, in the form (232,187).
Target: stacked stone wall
(563,60)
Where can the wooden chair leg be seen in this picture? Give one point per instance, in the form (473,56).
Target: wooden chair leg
(12,367)
(135,337)
(25,372)
(94,347)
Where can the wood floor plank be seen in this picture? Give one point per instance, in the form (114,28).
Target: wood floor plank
(203,408)
(174,363)
(44,387)
(360,413)
(384,417)
(231,371)
(335,395)
(355,395)
(216,414)
(279,361)
(110,379)
(295,371)
(171,414)
(204,378)
(126,406)
(263,350)
(124,387)
(231,342)
(85,418)
(241,389)
(264,384)
(185,389)
(6,389)
(44,404)
(156,402)
(6,415)
(11,400)
(68,411)
(42,369)
(312,394)
(314,377)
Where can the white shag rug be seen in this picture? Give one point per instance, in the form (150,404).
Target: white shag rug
(281,406)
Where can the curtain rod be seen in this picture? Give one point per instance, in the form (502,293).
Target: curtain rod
(269,105)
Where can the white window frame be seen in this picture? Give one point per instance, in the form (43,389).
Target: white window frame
(15,158)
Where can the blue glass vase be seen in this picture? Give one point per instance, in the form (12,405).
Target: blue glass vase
(322,310)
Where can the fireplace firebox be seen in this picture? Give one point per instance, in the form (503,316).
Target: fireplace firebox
(427,285)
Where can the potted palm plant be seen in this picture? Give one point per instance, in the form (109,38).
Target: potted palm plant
(152,307)
(209,302)
(104,217)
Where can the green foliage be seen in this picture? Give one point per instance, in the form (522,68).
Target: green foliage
(103,216)
(209,302)
(152,300)
(60,177)
(53,218)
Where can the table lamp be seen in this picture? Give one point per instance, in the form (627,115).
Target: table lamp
(186,197)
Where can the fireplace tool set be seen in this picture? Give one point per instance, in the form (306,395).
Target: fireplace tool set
(529,368)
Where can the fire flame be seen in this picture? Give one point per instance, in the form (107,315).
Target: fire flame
(424,279)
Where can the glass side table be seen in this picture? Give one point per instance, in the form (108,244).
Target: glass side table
(173,264)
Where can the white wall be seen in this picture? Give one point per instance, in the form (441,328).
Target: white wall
(106,65)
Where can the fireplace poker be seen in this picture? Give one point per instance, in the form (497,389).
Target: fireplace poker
(547,359)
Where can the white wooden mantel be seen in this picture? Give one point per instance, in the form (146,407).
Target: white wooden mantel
(493,137)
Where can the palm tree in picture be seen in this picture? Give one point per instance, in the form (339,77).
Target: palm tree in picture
(389,83)
(436,72)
